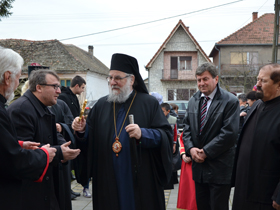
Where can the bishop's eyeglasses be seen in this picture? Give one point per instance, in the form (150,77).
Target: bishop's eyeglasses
(116,78)
(55,86)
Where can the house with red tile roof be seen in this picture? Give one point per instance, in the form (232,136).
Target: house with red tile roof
(171,71)
(239,56)
(66,60)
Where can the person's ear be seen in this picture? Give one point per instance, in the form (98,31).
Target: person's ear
(39,88)
(7,76)
(132,79)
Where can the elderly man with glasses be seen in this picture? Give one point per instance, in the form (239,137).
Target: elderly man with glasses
(34,122)
(129,162)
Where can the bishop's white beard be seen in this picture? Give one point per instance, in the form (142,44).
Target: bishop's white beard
(122,96)
(9,94)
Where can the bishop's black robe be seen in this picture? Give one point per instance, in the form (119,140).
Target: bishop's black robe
(256,171)
(154,166)
(16,163)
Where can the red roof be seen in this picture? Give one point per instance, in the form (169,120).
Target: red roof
(259,31)
(180,23)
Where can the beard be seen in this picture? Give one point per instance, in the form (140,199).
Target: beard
(121,97)
(9,94)
(259,95)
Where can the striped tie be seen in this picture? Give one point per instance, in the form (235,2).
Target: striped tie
(203,112)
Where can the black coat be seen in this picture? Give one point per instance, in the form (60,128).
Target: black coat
(64,117)
(264,171)
(217,139)
(16,163)
(33,122)
(71,100)
(156,164)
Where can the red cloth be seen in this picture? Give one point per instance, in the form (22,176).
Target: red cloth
(175,134)
(20,143)
(186,194)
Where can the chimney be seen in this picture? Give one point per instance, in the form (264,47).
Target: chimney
(90,49)
(255,16)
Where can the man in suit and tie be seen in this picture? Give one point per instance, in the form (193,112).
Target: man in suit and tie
(210,134)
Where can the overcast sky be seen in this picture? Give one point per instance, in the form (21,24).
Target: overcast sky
(64,19)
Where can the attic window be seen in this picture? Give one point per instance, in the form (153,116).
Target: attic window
(181,63)
(186,63)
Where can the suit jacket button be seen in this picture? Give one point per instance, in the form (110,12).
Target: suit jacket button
(47,178)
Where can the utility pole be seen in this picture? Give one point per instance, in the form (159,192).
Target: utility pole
(276,31)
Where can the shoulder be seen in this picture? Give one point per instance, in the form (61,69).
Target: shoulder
(147,98)
(227,96)
(20,103)
(195,97)
(61,103)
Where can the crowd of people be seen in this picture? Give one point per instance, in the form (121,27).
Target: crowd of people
(129,144)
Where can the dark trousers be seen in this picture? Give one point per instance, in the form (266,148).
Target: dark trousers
(212,196)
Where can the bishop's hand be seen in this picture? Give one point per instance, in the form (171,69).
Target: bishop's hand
(79,124)
(133,131)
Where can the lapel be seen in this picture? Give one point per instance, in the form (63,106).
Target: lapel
(252,110)
(197,111)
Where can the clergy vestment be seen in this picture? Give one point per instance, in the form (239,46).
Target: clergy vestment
(257,170)
(142,168)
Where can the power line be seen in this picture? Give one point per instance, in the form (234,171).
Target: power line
(143,43)
(151,21)
(250,17)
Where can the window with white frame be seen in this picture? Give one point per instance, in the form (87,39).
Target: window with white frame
(181,63)
(241,58)
(180,94)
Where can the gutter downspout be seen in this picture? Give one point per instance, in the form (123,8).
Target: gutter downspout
(219,63)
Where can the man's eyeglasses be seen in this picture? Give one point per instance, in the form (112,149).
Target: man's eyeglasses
(117,78)
(55,86)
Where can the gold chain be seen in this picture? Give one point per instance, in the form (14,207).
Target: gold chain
(117,136)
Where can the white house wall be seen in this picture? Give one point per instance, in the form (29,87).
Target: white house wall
(97,86)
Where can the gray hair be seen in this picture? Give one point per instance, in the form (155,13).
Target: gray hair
(39,77)
(9,61)
(207,67)
(242,97)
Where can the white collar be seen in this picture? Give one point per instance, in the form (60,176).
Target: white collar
(211,95)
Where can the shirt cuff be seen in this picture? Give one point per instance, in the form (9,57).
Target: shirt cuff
(47,166)
(20,143)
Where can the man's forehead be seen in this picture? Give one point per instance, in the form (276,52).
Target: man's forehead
(51,78)
(116,72)
(205,74)
(265,72)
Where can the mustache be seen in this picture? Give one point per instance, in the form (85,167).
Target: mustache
(115,86)
(259,88)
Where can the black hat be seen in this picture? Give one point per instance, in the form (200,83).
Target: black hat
(31,68)
(129,65)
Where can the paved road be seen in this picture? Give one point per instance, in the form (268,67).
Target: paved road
(82,203)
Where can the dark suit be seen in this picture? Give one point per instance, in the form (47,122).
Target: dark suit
(217,139)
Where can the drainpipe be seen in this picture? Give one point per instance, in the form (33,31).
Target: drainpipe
(219,63)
